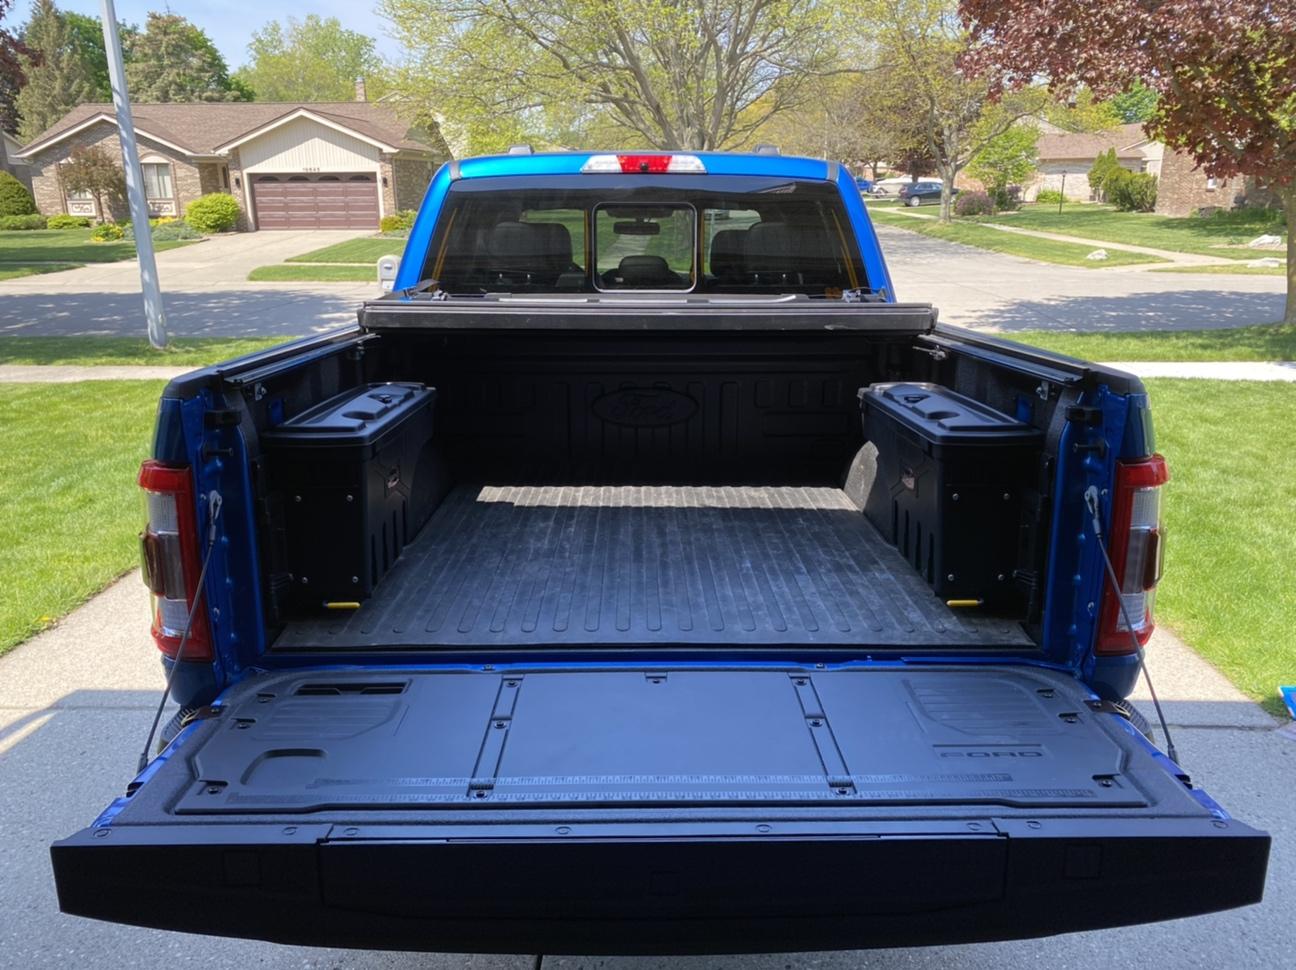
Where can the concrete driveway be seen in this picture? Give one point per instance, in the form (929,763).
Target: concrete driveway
(977,288)
(205,290)
(75,704)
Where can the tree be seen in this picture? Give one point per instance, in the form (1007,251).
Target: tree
(1102,171)
(1224,72)
(11,74)
(674,74)
(56,78)
(1135,104)
(314,59)
(92,169)
(1005,160)
(88,45)
(172,60)
(921,44)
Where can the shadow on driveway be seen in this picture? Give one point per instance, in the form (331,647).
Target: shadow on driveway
(1165,310)
(219,313)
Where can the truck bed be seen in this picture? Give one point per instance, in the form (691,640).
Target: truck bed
(663,565)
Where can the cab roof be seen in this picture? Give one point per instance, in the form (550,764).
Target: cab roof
(716,163)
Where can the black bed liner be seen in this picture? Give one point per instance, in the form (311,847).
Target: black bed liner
(522,566)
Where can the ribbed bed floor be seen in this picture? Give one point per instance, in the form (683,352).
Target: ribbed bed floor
(537,565)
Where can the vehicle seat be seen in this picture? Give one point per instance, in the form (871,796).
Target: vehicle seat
(517,253)
(727,262)
(643,271)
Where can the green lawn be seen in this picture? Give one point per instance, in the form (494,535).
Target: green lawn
(1028,247)
(69,246)
(87,351)
(368,250)
(1231,269)
(12,271)
(69,509)
(316,272)
(1264,342)
(1209,236)
(1230,548)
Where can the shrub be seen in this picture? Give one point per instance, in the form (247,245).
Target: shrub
(1132,191)
(107,232)
(166,230)
(15,200)
(973,204)
(215,212)
(67,222)
(398,223)
(1005,198)
(22,222)
(1049,197)
(1105,167)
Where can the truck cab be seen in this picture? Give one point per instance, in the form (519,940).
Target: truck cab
(642,576)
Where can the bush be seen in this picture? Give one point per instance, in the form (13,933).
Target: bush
(973,204)
(1005,198)
(1105,168)
(216,212)
(1132,191)
(67,222)
(1049,197)
(398,223)
(15,200)
(107,232)
(22,222)
(166,230)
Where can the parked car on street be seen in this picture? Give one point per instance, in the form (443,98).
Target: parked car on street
(916,193)
(865,185)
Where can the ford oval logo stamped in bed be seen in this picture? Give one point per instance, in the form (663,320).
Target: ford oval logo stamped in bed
(645,407)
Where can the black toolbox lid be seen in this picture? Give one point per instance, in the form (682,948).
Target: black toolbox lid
(945,416)
(355,417)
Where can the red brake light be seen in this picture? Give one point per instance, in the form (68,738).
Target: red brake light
(645,164)
(170,560)
(648,164)
(1136,550)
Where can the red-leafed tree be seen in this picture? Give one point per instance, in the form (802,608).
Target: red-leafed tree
(1224,71)
(11,73)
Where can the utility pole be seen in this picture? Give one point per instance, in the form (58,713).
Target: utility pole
(157,332)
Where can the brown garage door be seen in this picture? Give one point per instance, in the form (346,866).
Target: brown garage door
(316,201)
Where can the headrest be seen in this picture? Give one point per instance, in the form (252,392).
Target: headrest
(643,270)
(727,252)
(769,248)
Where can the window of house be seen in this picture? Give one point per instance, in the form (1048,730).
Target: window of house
(1211,185)
(157,180)
(79,195)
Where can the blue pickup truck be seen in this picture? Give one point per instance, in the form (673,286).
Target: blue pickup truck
(640,576)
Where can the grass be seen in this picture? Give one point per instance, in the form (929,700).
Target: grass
(69,511)
(89,351)
(13,271)
(68,246)
(1263,342)
(315,272)
(1027,247)
(1230,549)
(1208,236)
(368,250)
(1231,269)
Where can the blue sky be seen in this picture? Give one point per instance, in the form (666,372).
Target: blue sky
(230,23)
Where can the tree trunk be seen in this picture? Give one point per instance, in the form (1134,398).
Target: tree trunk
(1288,196)
(948,174)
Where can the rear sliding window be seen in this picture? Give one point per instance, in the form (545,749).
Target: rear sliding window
(695,233)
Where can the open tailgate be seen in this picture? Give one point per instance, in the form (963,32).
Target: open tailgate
(658,810)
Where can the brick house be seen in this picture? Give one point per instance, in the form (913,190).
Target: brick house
(1073,153)
(1184,189)
(9,162)
(319,165)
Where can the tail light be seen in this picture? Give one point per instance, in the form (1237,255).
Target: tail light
(1136,554)
(645,164)
(170,560)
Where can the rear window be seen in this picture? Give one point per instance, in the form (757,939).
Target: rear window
(591,234)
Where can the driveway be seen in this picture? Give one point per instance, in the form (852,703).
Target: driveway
(977,288)
(75,704)
(205,292)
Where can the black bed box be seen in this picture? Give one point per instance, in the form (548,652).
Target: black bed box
(948,486)
(356,477)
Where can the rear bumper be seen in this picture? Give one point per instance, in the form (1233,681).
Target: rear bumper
(658,888)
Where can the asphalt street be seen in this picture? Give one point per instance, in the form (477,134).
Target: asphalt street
(76,701)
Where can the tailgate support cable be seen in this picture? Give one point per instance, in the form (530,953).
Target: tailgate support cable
(214,503)
(1091,502)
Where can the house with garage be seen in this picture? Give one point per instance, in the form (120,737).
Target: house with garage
(316,165)
(1065,158)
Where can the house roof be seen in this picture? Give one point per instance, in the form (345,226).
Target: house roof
(201,128)
(1088,145)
